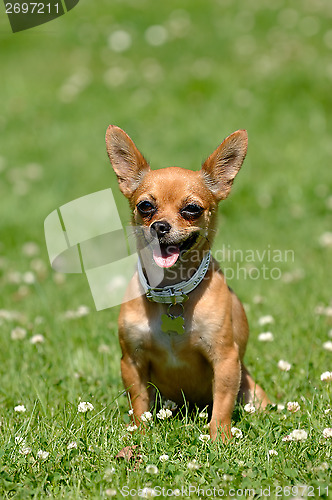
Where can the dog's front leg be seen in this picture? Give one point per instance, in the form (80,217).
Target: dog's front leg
(135,380)
(227,376)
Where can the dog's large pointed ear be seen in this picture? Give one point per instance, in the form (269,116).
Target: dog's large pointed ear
(221,167)
(128,163)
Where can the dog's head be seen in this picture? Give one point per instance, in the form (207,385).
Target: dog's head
(174,207)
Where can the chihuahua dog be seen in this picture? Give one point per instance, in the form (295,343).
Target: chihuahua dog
(186,335)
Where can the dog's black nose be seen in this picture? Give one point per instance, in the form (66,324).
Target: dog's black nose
(160,227)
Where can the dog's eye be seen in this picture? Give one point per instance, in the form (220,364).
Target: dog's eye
(145,208)
(191,211)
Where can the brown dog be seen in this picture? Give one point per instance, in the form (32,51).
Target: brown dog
(188,335)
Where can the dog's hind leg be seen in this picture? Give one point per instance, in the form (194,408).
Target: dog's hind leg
(250,392)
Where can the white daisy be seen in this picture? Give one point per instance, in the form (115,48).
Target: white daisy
(72,445)
(29,278)
(152,469)
(20,409)
(109,473)
(37,339)
(236,432)
(193,465)
(164,413)
(163,458)
(328,345)
(265,320)
(327,433)
(325,239)
(326,376)
(284,365)
(293,406)
(272,453)
(30,249)
(146,416)
(25,450)
(18,333)
(111,492)
(132,428)
(296,435)
(42,455)
(84,406)
(266,337)
(249,408)
(203,414)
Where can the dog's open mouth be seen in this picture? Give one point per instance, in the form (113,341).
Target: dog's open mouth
(167,255)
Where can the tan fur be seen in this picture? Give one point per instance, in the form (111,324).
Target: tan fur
(205,364)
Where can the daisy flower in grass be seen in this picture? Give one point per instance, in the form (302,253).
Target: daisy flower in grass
(37,339)
(328,345)
(203,414)
(249,408)
(272,453)
(84,406)
(29,278)
(327,433)
(293,406)
(25,450)
(18,333)
(266,320)
(266,337)
(42,455)
(284,365)
(236,432)
(30,249)
(132,428)
(110,492)
(164,413)
(163,458)
(108,474)
(79,313)
(146,416)
(152,469)
(296,435)
(20,409)
(326,376)
(72,445)
(193,465)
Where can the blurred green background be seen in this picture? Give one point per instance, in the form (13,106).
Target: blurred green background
(178,77)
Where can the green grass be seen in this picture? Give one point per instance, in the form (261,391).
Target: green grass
(260,65)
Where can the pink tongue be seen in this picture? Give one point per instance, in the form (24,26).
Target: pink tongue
(166,260)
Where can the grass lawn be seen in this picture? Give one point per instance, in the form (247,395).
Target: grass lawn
(178,78)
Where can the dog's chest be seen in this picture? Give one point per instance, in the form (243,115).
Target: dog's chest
(147,338)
